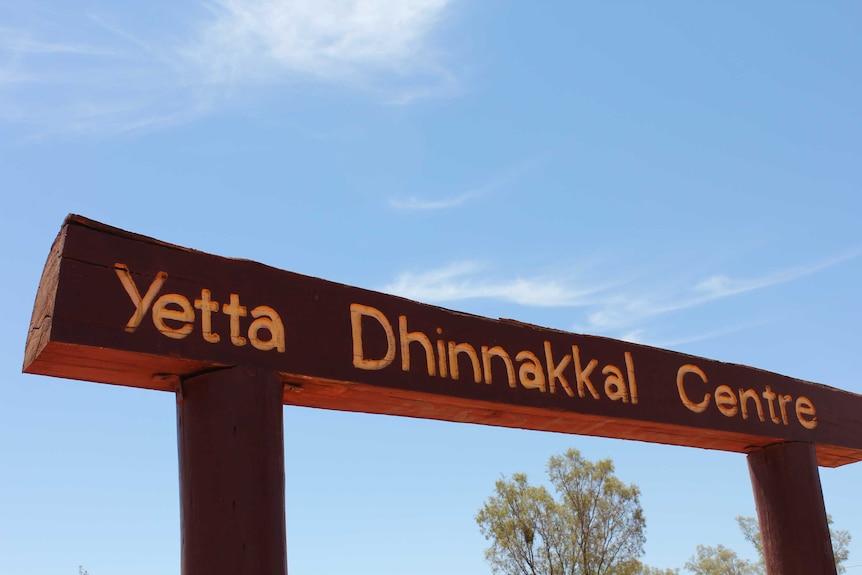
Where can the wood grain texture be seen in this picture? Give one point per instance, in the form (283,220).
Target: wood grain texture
(120,308)
(790,509)
(230,435)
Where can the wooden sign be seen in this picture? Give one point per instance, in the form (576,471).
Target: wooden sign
(120,308)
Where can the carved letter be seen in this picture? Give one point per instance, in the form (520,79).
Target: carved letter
(555,371)
(633,384)
(268,319)
(184,314)
(357,311)
(583,375)
(770,397)
(615,385)
(686,400)
(235,311)
(142,304)
(804,407)
(414,336)
(457,349)
(725,401)
(497,351)
(530,373)
(744,396)
(207,306)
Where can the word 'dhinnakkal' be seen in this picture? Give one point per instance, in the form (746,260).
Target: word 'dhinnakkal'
(532,372)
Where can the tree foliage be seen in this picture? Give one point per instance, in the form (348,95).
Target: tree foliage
(840,541)
(647,570)
(840,546)
(720,560)
(594,525)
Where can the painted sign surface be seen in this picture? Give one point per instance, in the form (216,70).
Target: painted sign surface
(120,308)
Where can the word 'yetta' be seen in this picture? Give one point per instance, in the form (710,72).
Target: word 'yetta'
(174,315)
(532,373)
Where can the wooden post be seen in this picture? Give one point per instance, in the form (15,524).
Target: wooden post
(231,464)
(791,511)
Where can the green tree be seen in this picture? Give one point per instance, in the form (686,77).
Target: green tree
(723,561)
(594,525)
(720,561)
(751,531)
(647,570)
(840,541)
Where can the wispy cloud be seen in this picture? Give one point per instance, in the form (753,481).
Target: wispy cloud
(110,74)
(702,336)
(18,42)
(339,40)
(504,178)
(620,309)
(414,203)
(624,309)
(459,281)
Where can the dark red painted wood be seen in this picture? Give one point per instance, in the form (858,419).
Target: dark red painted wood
(790,509)
(230,436)
(122,308)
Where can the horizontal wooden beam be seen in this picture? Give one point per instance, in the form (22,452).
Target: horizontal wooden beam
(121,308)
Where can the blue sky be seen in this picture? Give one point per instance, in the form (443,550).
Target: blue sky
(684,175)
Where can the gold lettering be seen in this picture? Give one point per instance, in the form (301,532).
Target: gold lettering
(731,403)
(418,337)
(725,401)
(615,385)
(268,319)
(804,407)
(207,307)
(142,304)
(530,372)
(770,396)
(783,400)
(686,400)
(582,376)
(454,351)
(441,355)
(497,351)
(633,384)
(235,311)
(185,314)
(744,396)
(555,371)
(357,312)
